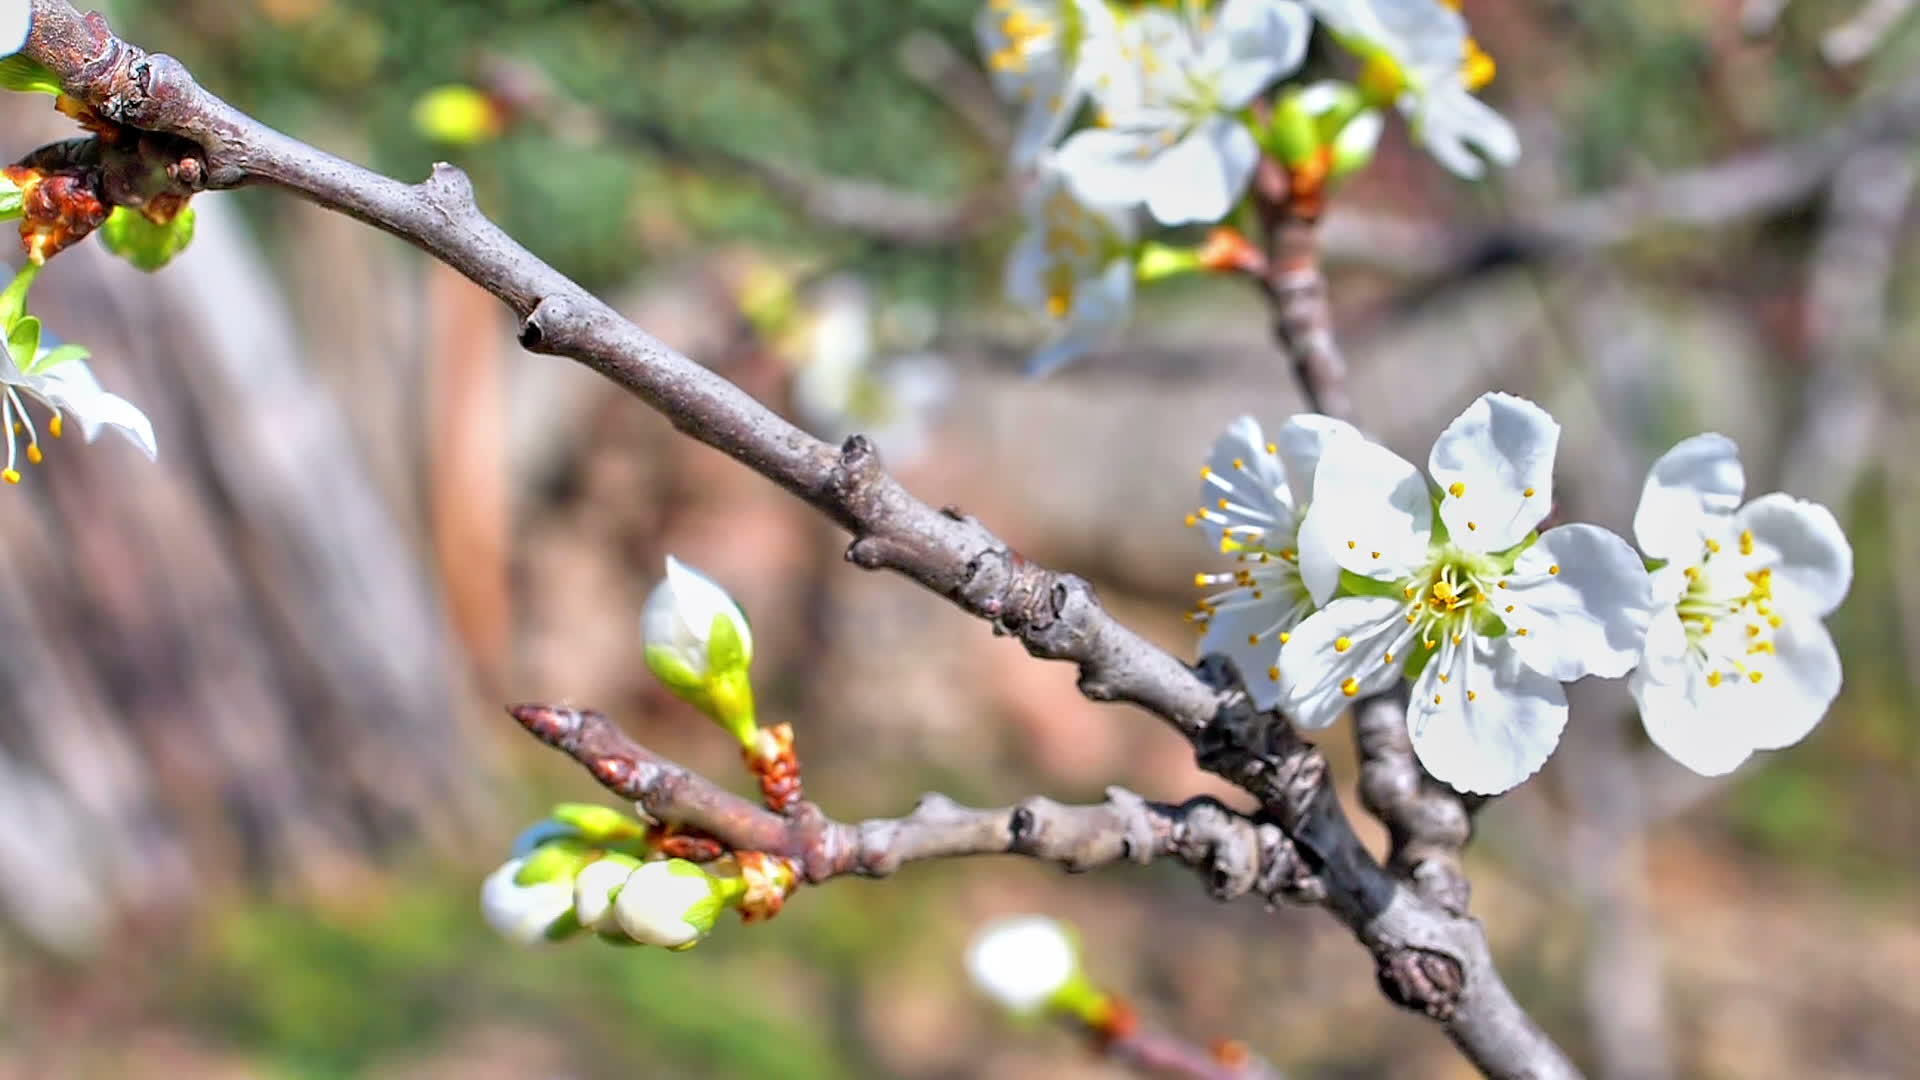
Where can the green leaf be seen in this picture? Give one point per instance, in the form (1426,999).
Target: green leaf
(27,75)
(53,358)
(128,234)
(13,299)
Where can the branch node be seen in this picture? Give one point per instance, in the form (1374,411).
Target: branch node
(1422,980)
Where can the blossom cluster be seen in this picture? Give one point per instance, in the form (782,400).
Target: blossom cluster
(1354,572)
(1184,100)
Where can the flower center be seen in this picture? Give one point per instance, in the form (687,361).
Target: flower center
(1447,598)
(1026,34)
(1730,622)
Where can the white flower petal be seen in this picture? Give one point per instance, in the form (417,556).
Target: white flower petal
(1585,599)
(1022,961)
(1812,561)
(1496,721)
(1244,489)
(1696,481)
(1263,40)
(1803,677)
(1106,167)
(1370,509)
(1453,124)
(1319,567)
(16,20)
(1495,465)
(1665,659)
(1247,631)
(72,388)
(1300,443)
(1678,721)
(1199,178)
(1319,678)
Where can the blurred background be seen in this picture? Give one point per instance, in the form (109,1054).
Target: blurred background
(253,764)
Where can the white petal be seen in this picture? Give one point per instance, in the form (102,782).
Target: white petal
(1247,631)
(1245,485)
(1027,263)
(1265,40)
(1492,740)
(72,388)
(1585,599)
(1199,178)
(1495,465)
(1042,121)
(1802,678)
(1314,669)
(1370,509)
(1707,740)
(1665,660)
(1811,559)
(1452,124)
(1108,168)
(1301,441)
(16,19)
(1100,309)
(1319,566)
(1696,481)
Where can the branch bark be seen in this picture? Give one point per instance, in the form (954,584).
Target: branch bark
(1428,957)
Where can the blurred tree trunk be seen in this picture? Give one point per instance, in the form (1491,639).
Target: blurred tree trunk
(226,668)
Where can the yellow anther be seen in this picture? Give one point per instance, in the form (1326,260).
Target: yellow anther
(1410,591)
(1760,648)
(1773,621)
(1503,584)
(1289,554)
(1387,659)
(1253,639)
(1746,541)
(1222,502)
(1436,699)
(1713,678)
(56,425)
(1285,637)
(1430,643)
(1471,526)
(1376,554)
(1257,594)
(1509,609)
(1527,494)
(1206,471)
(1456,489)
(1351,545)
(1201,581)
(1442,590)
(1239,464)
(1351,687)
(11,476)
(1706,625)
(1753,630)
(1477,68)
(1554,569)
(34,455)
(1713,546)
(1458,637)
(1692,572)
(1192,520)
(1272,449)
(1445,678)
(1755,676)
(1342,644)
(1412,617)
(1522,631)
(1273,673)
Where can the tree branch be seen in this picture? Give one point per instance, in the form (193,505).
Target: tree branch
(1428,957)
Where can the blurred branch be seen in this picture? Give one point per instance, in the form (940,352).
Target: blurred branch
(1427,958)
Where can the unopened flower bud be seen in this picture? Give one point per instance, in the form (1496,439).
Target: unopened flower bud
(1029,963)
(596,888)
(527,913)
(673,903)
(458,116)
(699,645)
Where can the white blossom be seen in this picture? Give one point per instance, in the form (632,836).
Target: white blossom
(1737,658)
(1169,133)
(595,889)
(1073,266)
(60,380)
(843,385)
(523,913)
(671,903)
(1022,961)
(1418,56)
(678,622)
(1252,506)
(1452,588)
(1042,55)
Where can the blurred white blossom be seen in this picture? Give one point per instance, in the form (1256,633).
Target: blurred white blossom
(1737,658)
(1042,55)
(1169,132)
(1419,57)
(1073,267)
(1022,961)
(843,385)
